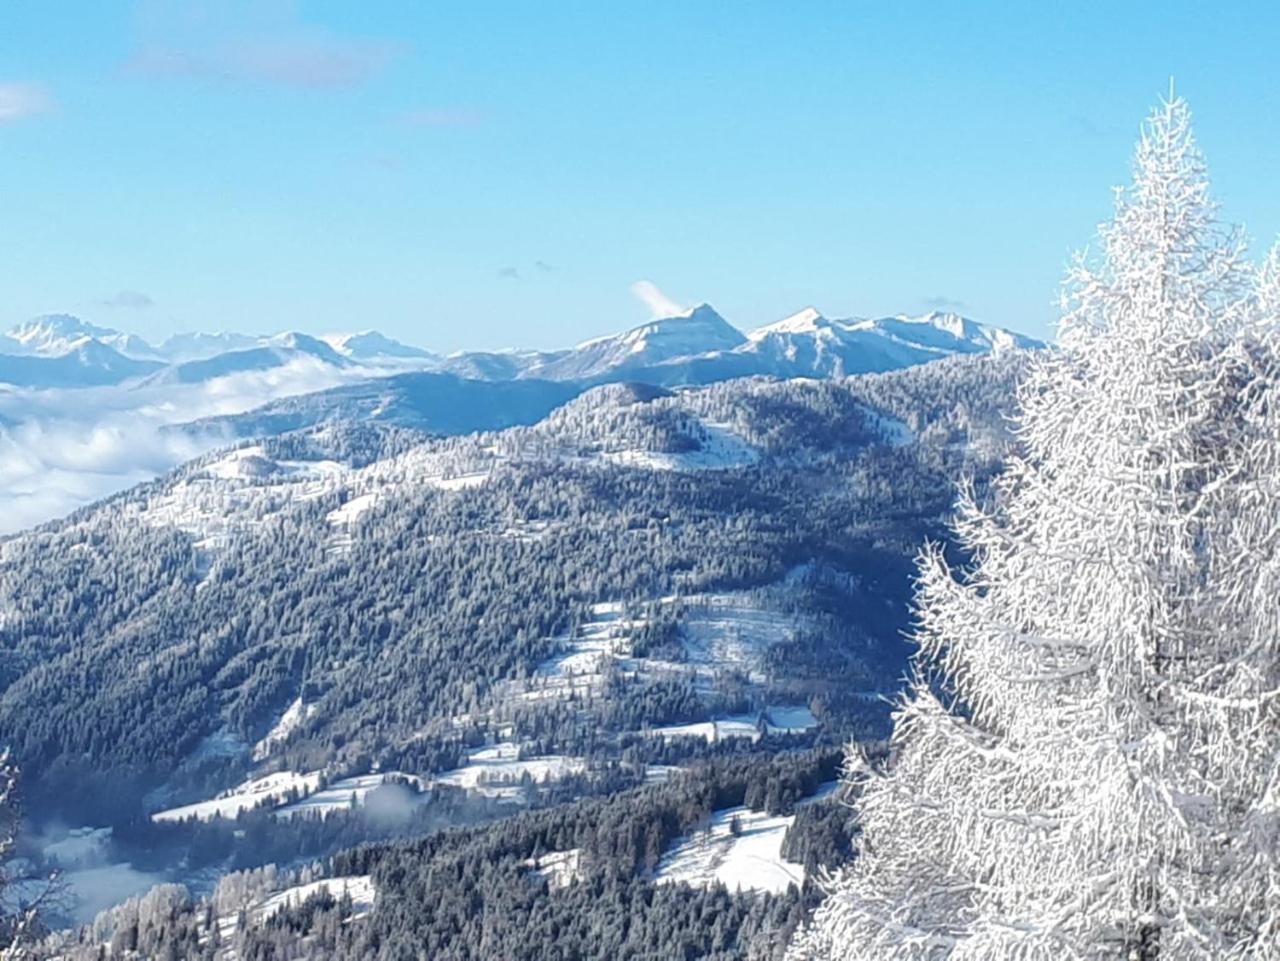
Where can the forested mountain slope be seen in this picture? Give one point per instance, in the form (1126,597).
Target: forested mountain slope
(640,580)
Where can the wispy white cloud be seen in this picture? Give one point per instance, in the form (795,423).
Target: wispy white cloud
(128,300)
(943,302)
(263,41)
(659,304)
(19,100)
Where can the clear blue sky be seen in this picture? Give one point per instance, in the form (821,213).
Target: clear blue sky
(483,174)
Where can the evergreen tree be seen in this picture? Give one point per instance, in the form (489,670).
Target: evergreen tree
(1086,763)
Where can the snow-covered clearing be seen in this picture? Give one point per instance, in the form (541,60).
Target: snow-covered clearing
(720,449)
(660,773)
(581,666)
(779,719)
(269,790)
(243,463)
(359,887)
(340,795)
(718,631)
(789,719)
(733,630)
(497,771)
(274,791)
(214,501)
(458,482)
(349,512)
(750,859)
(559,868)
(293,715)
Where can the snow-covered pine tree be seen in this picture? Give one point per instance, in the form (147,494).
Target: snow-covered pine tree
(1086,764)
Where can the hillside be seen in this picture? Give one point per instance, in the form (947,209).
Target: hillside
(354,614)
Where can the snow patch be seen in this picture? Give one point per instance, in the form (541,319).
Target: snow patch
(359,887)
(498,772)
(269,790)
(720,449)
(459,482)
(293,715)
(559,868)
(339,795)
(749,859)
(349,512)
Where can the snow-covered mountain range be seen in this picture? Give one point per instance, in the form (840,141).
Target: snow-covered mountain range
(87,410)
(695,347)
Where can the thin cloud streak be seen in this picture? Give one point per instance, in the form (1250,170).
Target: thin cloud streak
(128,300)
(260,42)
(21,100)
(314,62)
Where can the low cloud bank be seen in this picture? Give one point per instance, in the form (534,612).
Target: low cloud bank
(62,449)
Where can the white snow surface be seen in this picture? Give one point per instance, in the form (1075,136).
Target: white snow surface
(271,789)
(779,719)
(496,771)
(352,509)
(750,861)
(339,795)
(293,715)
(721,449)
(559,868)
(359,886)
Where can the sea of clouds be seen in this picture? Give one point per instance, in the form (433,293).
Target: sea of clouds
(61,449)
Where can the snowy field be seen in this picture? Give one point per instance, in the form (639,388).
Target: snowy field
(733,630)
(271,790)
(718,631)
(779,719)
(274,791)
(341,795)
(559,868)
(720,449)
(359,887)
(581,665)
(750,860)
(497,771)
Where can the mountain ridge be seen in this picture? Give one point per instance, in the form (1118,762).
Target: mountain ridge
(696,346)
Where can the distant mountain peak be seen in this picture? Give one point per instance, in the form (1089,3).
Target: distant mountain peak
(56,333)
(805,321)
(296,340)
(700,330)
(373,345)
(946,320)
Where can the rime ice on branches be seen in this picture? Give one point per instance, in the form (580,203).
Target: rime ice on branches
(1085,765)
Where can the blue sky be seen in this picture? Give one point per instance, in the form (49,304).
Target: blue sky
(484,174)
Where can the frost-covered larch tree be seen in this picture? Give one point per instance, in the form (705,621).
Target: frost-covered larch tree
(1086,763)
